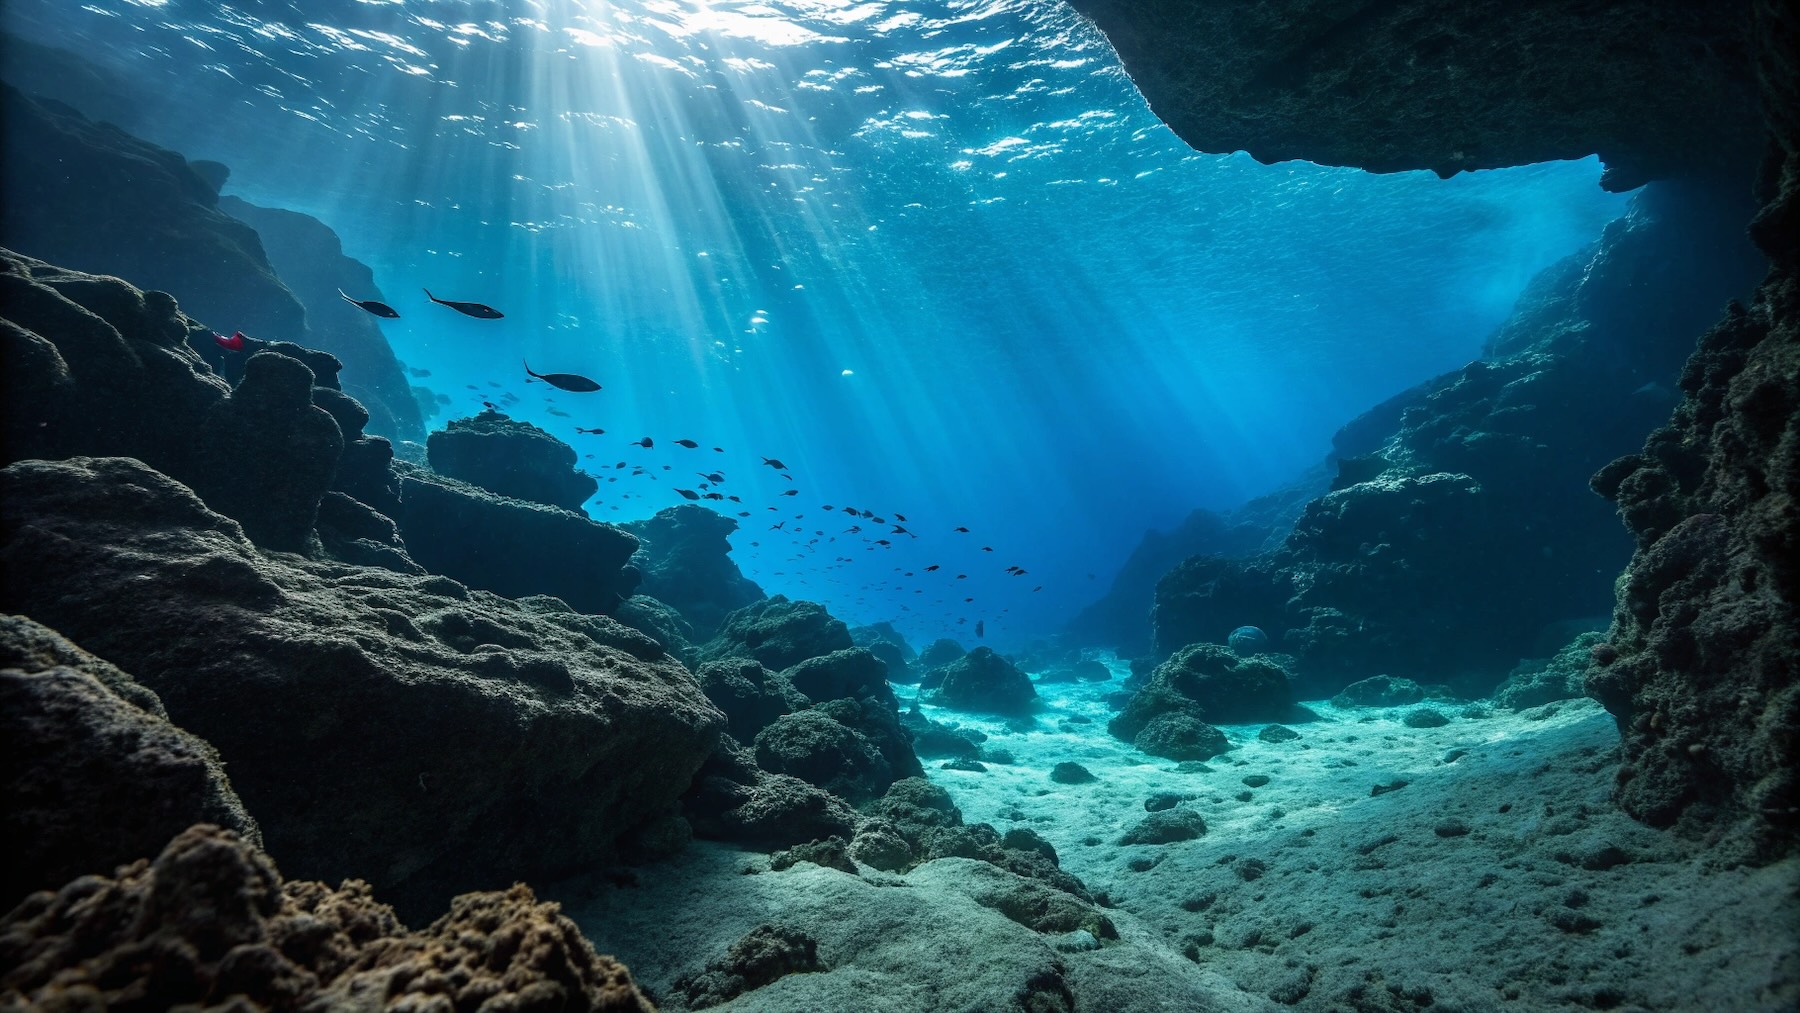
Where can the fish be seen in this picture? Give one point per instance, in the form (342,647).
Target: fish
(987,548)
(773,463)
(690,444)
(688,494)
(743,513)
(933,568)
(734,499)
(898,530)
(471,309)
(714,495)
(490,406)
(963,530)
(574,383)
(718,450)
(235,343)
(716,476)
(590,432)
(791,492)
(558,412)
(900,517)
(380,309)
(646,443)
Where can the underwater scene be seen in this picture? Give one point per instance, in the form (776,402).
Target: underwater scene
(848,505)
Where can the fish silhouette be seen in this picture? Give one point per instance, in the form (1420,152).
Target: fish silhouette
(690,444)
(380,309)
(571,382)
(471,309)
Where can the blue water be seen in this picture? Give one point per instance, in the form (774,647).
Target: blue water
(938,258)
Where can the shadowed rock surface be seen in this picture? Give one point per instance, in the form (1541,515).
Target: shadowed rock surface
(385,723)
(211,924)
(984,681)
(1701,667)
(92,774)
(778,632)
(512,459)
(1657,88)
(686,562)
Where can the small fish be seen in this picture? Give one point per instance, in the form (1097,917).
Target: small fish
(882,541)
(773,463)
(380,309)
(646,443)
(690,444)
(688,494)
(826,507)
(987,548)
(791,492)
(962,576)
(714,495)
(777,527)
(963,530)
(898,530)
(235,343)
(716,476)
(718,450)
(472,309)
(590,432)
(490,406)
(734,499)
(558,412)
(574,383)
(900,517)
(933,568)
(743,513)
(852,512)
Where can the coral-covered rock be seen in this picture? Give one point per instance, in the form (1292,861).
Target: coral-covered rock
(211,923)
(84,746)
(510,546)
(380,724)
(686,561)
(1657,88)
(513,459)
(309,258)
(779,633)
(984,681)
(765,953)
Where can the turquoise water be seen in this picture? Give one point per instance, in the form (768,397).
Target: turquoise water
(937,258)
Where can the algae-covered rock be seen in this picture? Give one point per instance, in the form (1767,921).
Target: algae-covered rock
(778,632)
(512,459)
(686,561)
(984,681)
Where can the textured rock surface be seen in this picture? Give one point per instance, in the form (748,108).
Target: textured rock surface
(92,774)
(93,198)
(779,633)
(510,546)
(382,725)
(1485,473)
(1701,667)
(1655,87)
(512,459)
(310,260)
(210,924)
(984,681)
(686,562)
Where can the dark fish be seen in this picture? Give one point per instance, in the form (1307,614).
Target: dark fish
(380,309)
(558,412)
(962,576)
(777,527)
(826,507)
(717,476)
(646,443)
(718,450)
(963,530)
(933,568)
(715,495)
(791,492)
(787,476)
(898,530)
(690,444)
(987,548)
(688,493)
(571,382)
(473,309)
(743,513)
(490,406)
(900,517)
(591,432)
(773,463)
(734,499)
(882,541)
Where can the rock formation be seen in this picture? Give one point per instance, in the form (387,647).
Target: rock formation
(686,562)
(512,459)
(1658,89)
(211,924)
(380,724)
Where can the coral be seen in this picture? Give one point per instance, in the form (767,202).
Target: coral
(378,723)
(211,923)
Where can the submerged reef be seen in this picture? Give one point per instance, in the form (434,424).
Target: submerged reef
(686,562)
(512,459)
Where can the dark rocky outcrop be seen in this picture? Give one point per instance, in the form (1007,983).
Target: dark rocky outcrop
(778,632)
(1701,666)
(887,643)
(512,547)
(939,653)
(211,924)
(1657,88)
(516,460)
(686,561)
(1485,475)
(984,681)
(93,198)
(309,258)
(92,774)
(380,724)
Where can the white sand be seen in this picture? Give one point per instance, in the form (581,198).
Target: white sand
(1311,893)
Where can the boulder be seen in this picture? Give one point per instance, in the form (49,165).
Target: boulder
(1379,691)
(779,633)
(211,923)
(939,653)
(985,681)
(751,696)
(821,751)
(381,724)
(84,746)
(686,561)
(1205,683)
(513,459)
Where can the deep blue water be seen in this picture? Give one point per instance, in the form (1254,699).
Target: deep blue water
(938,258)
